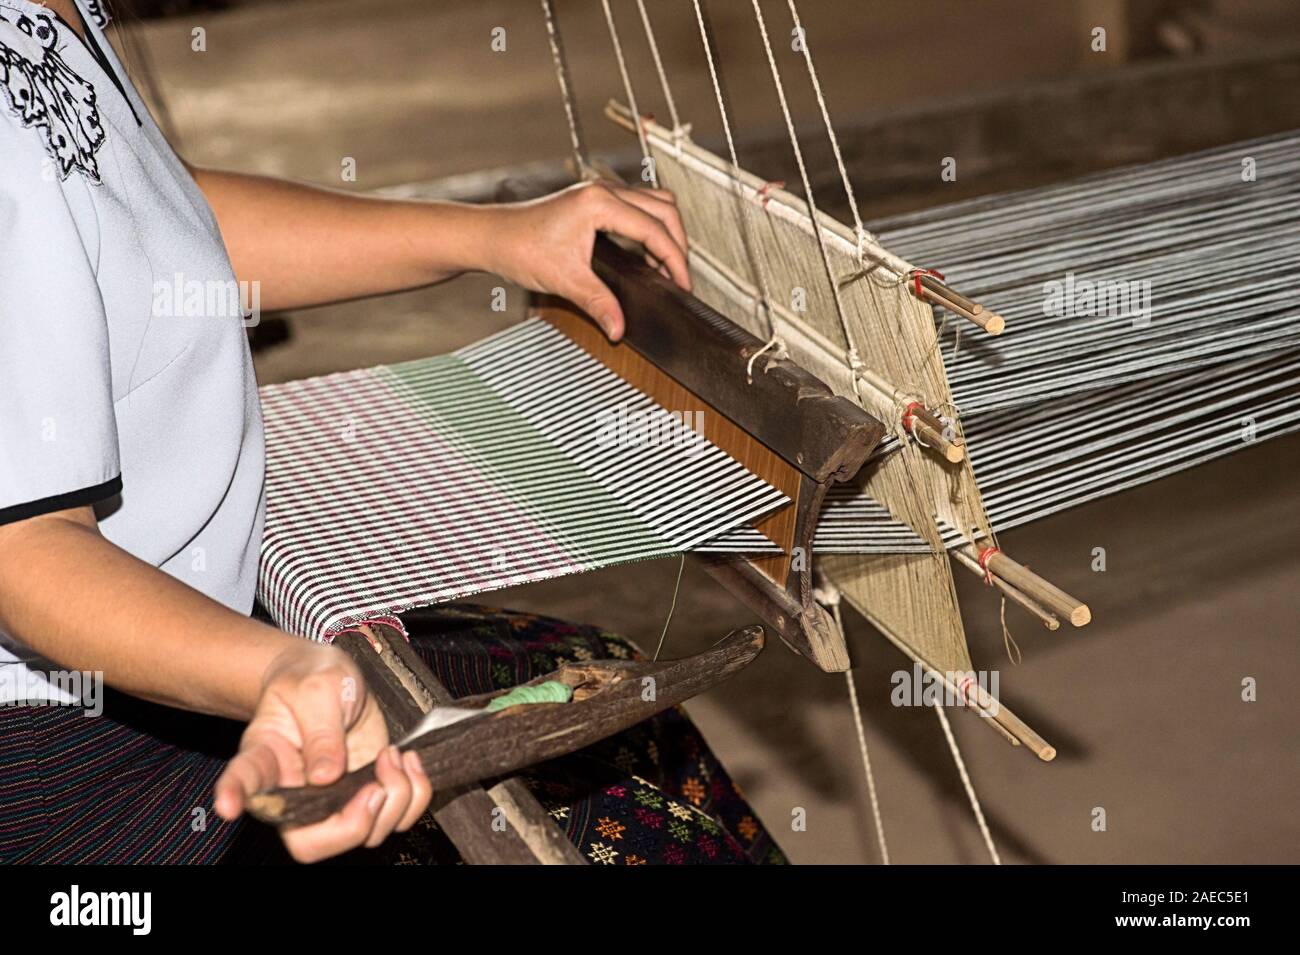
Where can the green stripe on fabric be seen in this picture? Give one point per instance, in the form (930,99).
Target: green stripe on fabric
(456,402)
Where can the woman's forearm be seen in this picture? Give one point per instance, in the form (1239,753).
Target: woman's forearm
(306,245)
(310,246)
(80,600)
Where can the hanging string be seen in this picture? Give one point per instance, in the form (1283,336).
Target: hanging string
(863,236)
(755,261)
(970,789)
(631,96)
(852,355)
(679,131)
(828,595)
(663,635)
(1008,641)
(566,93)
(778,349)
(866,762)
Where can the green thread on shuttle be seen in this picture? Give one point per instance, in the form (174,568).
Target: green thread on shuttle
(552,691)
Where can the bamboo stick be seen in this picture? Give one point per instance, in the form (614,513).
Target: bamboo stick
(928,429)
(932,283)
(993,324)
(1011,727)
(917,419)
(1013,724)
(1044,592)
(1015,594)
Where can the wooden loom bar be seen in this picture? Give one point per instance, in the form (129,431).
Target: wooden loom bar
(1014,594)
(779,410)
(608,696)
(921,422)
(1009,726)
(935,292)
(993,710)
(929,430)
(935,285)
(1036,588)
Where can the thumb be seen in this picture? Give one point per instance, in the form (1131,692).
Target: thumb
(321,716)
(594,297)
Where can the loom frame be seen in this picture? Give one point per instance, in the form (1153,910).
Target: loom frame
(821,437)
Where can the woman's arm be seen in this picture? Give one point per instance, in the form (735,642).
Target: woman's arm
(74,597)
(308,246)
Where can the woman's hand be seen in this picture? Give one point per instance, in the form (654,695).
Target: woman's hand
(313,722)
(546,244)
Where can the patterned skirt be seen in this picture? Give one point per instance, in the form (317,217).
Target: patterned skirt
(134,785)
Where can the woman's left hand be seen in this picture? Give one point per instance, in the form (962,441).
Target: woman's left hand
(545,245)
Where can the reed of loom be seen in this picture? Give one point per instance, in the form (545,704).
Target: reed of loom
(782,424)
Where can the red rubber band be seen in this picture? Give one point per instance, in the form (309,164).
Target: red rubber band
(986,555)
(916,278)
(909,414)
(963,687)
(765,192)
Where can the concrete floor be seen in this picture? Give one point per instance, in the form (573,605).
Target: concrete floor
(1144,705)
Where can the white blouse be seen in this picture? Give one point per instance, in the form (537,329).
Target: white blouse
(125,375)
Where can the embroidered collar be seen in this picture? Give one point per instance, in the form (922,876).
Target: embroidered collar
(97,13)
(47,95)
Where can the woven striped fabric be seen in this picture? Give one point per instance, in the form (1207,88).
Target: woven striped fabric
(517,459)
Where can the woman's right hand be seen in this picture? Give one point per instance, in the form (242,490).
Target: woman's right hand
(313,722)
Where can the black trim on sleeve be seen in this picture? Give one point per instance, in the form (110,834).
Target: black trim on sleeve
(61,502)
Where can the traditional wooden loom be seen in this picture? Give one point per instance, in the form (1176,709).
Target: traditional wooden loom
(844,405)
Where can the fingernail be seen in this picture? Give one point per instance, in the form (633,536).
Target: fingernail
(320,766)
(395,756)
(376,801)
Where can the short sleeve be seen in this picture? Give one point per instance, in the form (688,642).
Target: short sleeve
(58,437)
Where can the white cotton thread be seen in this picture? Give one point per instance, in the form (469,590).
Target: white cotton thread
(755,261)
(775,342)
(566,94)
(803,174)
(627,87)
(828,595)
(966,783)
(680,131)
